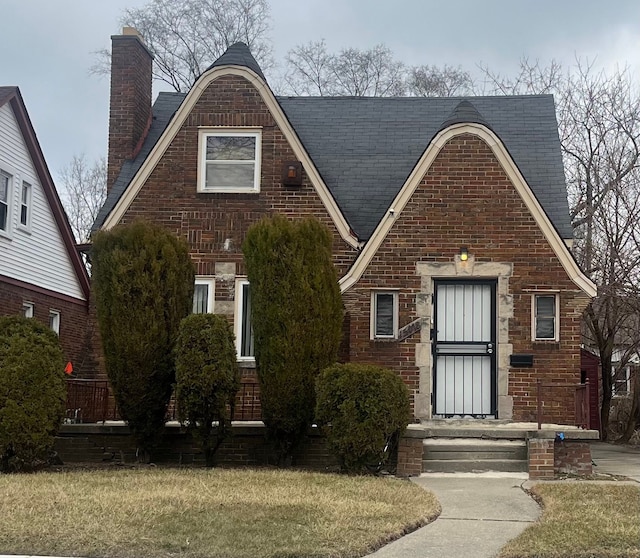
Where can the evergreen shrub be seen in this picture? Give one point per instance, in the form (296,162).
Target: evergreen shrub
(32,392)
(365,406)
(207,379)
(297,320)
(143,284)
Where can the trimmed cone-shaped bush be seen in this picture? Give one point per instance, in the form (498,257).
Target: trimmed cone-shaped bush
(207,379)
(365,406)
(297,320)
(32,392)
(143,283)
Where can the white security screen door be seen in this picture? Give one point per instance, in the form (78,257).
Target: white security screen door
(464,348)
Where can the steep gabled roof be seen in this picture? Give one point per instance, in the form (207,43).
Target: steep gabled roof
(12,95)
(238,54)
(365,147)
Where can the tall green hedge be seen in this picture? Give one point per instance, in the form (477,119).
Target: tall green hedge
(297,320)
(143,283)
(32,392)
(207,379)
(365,405)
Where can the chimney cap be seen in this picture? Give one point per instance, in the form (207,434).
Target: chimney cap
(126,30)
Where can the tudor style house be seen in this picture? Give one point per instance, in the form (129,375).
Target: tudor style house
(449,217)
(41,273)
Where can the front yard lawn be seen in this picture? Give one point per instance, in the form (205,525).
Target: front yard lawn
(582,520)
(206,513)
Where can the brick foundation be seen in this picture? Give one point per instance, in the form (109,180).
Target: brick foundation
(572,457)
(409,457)
(541,461)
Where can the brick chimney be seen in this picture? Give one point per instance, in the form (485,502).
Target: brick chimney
(130,101)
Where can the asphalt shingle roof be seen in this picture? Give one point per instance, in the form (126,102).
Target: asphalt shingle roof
(366,147)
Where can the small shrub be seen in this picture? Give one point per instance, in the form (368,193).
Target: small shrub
(32,392)
(365,405)
(207,378)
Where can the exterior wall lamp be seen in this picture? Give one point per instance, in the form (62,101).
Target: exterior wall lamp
(464,253)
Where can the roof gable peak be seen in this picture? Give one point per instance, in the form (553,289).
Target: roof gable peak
(238,54)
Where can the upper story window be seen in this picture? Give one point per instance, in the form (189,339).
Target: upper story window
(384,315)
(229,161)
(545,318)
(25,205)
(5,201)
(203,295)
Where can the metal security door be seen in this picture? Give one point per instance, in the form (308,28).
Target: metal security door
(464,346)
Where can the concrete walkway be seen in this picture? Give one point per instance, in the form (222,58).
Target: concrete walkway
(612,459)
(480,513)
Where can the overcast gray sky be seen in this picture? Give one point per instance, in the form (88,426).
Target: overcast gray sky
(46,46)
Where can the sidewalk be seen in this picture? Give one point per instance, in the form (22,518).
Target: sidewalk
(616,460)
(480,513)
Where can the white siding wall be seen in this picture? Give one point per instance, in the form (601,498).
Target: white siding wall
(36,256)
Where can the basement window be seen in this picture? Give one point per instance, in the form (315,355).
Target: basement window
(229,161)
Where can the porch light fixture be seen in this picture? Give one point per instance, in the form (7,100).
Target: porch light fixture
(464,253)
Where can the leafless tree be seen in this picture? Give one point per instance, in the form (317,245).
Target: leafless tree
(312,70)
(84,189)
(187,37)
(432,81)
(599,122)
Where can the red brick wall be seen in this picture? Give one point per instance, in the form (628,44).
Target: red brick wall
(207,220)
(541,459)
(572,457)
(466,199)
(73,317)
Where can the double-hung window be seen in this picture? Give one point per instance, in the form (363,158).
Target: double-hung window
(25,205)
(229,160)
(244,327)
(203,294)
(384,315)
(545,317)
(5,201)
(54,321)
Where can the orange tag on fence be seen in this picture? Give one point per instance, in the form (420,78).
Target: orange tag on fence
(68,369)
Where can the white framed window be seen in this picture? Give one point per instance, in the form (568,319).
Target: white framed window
(229,160)
(203,295)
(384,314)
(545,317)
(621,380)
(28,309)
(54,321)
(5,202)
(25,206)
(243,325)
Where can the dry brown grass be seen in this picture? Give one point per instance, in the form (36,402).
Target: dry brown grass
(206,513)
(582,520)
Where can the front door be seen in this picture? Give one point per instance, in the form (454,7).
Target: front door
(464,347)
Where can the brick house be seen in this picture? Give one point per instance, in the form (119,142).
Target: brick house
(41,273)
(449,216)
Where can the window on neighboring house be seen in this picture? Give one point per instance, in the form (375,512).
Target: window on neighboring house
(229,161)
(54,321)
(384,315)
(203,293)
(545,317)
(5,192)
(244,328)
(25,205)
(27,309)
(621,380)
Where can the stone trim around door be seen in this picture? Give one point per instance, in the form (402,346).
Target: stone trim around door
(470,269)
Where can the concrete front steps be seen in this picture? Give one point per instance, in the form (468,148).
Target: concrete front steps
(474,455)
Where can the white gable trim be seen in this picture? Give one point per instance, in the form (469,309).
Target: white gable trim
(499,150)
(181,115)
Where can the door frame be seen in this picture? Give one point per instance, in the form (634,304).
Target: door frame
(493,354)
